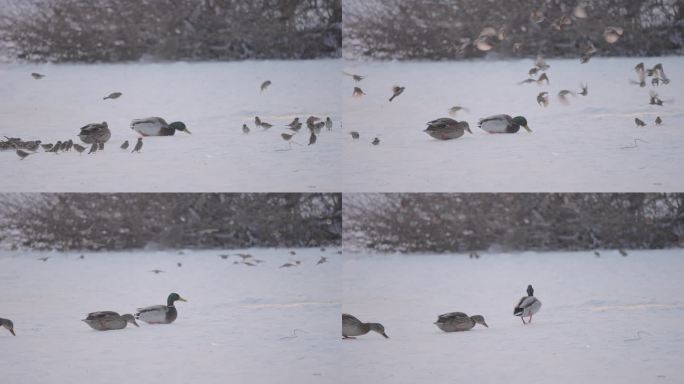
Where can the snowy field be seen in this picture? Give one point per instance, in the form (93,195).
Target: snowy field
(611,319)
(213,99)
(585,146)
(237,325)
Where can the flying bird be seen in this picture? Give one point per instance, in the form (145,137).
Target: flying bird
(358,93)
(543,99)
(138,145)
(612,34)
(37,76)
(113,95)
(639,122)
(456,109)
(375,141)
(396,91)
(585,89)
(356,78)
(354,135)
(265,85)
(563,96)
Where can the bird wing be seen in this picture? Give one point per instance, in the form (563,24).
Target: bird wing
(149,121)
(350,320)
(451,316)
(100,314)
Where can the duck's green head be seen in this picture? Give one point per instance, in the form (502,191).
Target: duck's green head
(521,121)
(173,298)
(180,126)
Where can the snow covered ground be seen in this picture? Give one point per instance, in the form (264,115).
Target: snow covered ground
(611,319)
(237,325)
(580,147)
(213,99)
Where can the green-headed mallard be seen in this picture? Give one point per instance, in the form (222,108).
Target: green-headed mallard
(445,128)
(503,124)
(7,324)
(458,321)
(156,126)
(108,320)
(160,314)
(95,133)
(351,326)
(527,306)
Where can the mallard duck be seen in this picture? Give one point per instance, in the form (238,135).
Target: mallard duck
(7,324)
(527,306)
(503,124)
(351,326)
(95,133)
(458,321)
(160,314)
(445,128)
(156,126)
(108,320)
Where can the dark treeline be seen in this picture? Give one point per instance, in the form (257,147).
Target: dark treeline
(448,29)
(204,220)
(124,30)
(513,222)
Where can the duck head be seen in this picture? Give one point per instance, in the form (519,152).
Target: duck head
(530,290)
(173,298)
(479,319)
(130,319)
(377,327)
(180,126)
(467,127)
(521,121)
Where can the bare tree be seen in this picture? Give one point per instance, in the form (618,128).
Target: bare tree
(126,221)
(449,29)
(465,222)
(120,30)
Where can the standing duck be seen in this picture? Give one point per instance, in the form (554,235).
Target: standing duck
(108,320)
(95,133)
(351,326)
(7,324)
(445,128)
(503,124)
(458,321)
(527,306)
(160,314)
(156,126)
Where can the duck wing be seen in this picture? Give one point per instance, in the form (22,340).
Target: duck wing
(100,315)
(451,316)
(350,320)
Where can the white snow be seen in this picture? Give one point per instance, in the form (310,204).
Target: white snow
(213,99)
(575,148)
(237,325)
(611,319)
